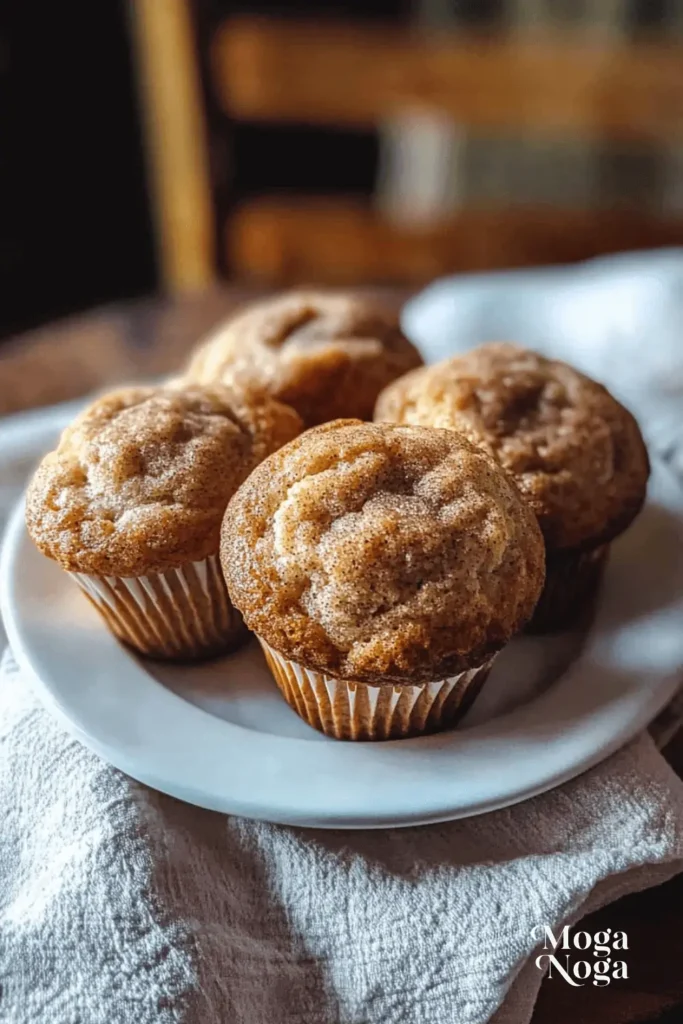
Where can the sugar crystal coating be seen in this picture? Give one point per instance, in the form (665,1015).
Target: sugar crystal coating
(325,354)
(140,480)
(382,553)
(576,454)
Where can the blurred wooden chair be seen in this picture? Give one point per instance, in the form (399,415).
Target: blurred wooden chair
(264,70)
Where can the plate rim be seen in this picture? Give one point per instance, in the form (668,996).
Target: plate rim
(652,702)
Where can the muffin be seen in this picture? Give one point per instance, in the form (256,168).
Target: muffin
(327,355)
(381,568)
(131,503)
(575,453)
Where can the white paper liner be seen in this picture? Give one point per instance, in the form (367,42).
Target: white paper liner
(181,613)
(358,711)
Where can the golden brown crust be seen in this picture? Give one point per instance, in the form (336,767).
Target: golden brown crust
(381,553)
(140,481)
(576,454)
(327,355)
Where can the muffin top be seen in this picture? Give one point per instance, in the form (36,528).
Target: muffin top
(140,481)
(382,553)
(576,454)
(327,355)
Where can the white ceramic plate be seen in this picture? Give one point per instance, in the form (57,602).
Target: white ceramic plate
(220,735)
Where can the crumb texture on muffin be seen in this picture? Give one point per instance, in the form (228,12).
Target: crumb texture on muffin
(576,453)
(382,553)
(140,481)
(328,355)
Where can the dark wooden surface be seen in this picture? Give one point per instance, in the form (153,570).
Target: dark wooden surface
(339,240)
(137,340)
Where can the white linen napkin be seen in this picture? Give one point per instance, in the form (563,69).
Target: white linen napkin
(617,319)
(121,905)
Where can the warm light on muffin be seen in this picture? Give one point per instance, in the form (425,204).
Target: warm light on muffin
(382,568)
(326,354)
(575,453)
(131,503)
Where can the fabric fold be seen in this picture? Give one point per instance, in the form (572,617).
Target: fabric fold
(118,903)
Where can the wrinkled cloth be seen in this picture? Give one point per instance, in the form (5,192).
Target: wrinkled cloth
(119,905)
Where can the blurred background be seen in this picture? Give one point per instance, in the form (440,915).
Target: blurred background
(161,146)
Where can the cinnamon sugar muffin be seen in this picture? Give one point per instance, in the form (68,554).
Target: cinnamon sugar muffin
(327,355)
(131,504)
(382,568)
(576,454)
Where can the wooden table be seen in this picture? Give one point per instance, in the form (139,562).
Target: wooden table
(143,339)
